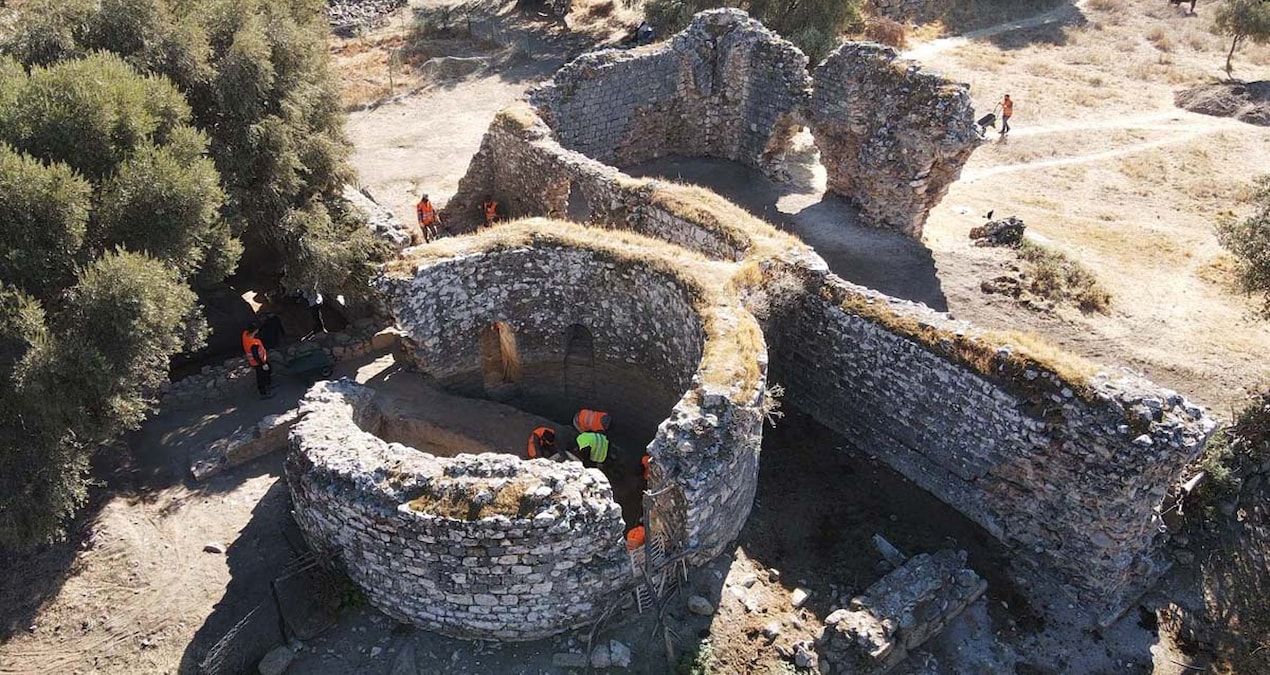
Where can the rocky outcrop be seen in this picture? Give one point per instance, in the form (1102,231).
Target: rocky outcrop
(892,138)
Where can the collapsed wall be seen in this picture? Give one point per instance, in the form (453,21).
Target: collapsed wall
(522,166)
(1067,469)
(891,137)
(723,87)
(474,546)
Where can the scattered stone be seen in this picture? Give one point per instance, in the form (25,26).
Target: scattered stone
(799,597)
(699,605)
(748,581)
(376,651)
(1003,232)
(1185,558)
(569,660)
(888,550)
(772,629)
(804,657)
(619,654)
(214,547)
(600,657)
(276,661)
(898,613)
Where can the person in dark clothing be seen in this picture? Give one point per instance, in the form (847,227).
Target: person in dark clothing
(315,301)
(258,359)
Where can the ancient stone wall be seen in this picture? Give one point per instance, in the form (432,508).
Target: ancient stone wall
(723,87)
(891,137)
(233,378)
(474,546)
(636,315)
(643,313)
(521,166)
(1068,473)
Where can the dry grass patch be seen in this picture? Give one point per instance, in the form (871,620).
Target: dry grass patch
(1056,277)
(886,31)
(1003,356)
(1160,38)
(473,501)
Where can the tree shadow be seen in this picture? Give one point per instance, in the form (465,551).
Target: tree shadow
(885,261)
(246,622)
(967,16)
(1050,34)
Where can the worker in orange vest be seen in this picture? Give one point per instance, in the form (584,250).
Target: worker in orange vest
(591,420)
(636,537)
(1007,109)
(644,461)
(429,221)
(258,359)
(542,443)
(489,207)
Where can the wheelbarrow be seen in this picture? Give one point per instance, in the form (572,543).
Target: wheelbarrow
(311,366)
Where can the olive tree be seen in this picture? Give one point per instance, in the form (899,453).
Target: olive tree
(1249,241)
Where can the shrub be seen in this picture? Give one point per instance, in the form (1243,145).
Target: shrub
(43,219)
(1242,21)
(886,31)
(816,26)
(1249,241)
(1236,450)
(1059,278)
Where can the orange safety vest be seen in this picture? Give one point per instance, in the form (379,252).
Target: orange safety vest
(250,341)
(645,460)
(635,538)
(537,442)
(426,213)
(591,420)
(491,210)
(1007,107)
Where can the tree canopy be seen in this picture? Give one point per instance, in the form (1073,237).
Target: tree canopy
(1249,241)
(1242,21)
(140,141)
(816,26)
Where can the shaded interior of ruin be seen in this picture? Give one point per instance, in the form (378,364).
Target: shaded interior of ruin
(544,348)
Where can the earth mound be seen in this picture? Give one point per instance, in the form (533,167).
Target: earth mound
(1245,101)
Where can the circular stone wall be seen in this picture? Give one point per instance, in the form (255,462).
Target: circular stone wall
(475,546)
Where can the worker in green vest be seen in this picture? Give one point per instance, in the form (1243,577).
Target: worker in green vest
(593,448)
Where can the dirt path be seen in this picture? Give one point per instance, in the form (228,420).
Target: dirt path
(1186,127)
(1061,14)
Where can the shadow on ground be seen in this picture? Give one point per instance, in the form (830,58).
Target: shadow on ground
(884,261)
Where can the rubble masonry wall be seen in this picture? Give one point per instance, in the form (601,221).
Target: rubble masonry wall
(724,87)
(641,315)
(1068,479)
(476,546)
(530,174)
(891,137)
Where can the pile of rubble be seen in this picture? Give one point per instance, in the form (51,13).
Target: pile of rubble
(348,16)
(1003,232)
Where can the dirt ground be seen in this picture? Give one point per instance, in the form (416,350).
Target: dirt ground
(1100,165)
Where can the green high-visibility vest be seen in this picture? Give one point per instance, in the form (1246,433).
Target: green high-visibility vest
(598,443)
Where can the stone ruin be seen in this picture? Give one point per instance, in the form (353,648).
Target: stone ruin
(1063,464)
(892,137)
